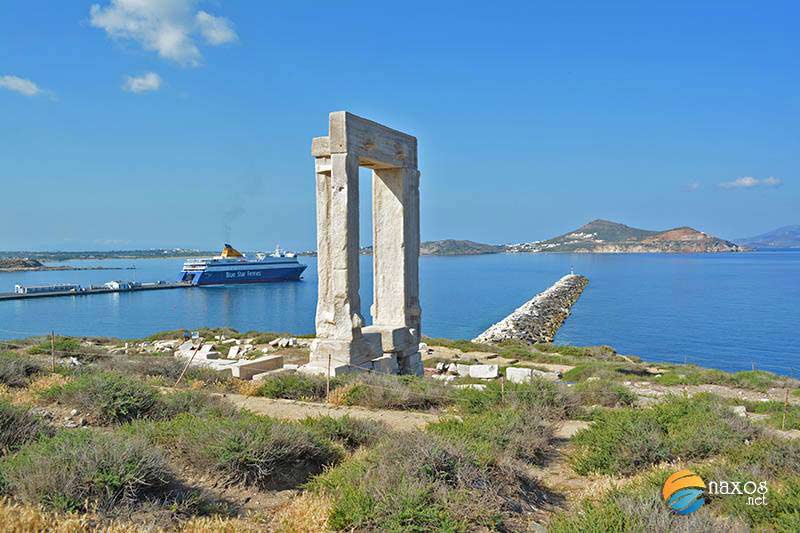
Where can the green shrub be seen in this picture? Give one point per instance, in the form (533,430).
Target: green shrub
(246,449)
(62,345)
(109,397)
(499,433)
(16,370)
(196,403)
(350,432)
(418,482)
(636,509)
(381,391)
(461,344)
(83,470)
(603,393)
(294,386)
(754,379)
(19,426)
(625,440)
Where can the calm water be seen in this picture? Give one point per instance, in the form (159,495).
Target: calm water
(720,310)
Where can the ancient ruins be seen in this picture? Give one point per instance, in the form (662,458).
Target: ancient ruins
(344,343)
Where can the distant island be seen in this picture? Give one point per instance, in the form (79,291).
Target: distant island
(111,254)
(785,237)
(598,236)
(603,236)
(26,264)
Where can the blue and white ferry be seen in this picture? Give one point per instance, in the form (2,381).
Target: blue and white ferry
(231,266)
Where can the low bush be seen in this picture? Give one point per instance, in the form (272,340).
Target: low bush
(441,489)
(625,440)
(381,391)
(246,449)
(109,397)
(350,432)
(16,370)
(461,344)
(695,375)
(85,470)
(637,508)
(62,346)
(294,386)
(604,393)
(754,379)
(196,403)
(19,426)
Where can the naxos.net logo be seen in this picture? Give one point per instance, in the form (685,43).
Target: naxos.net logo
(684,492)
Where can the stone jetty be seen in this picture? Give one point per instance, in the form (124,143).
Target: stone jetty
(538,319)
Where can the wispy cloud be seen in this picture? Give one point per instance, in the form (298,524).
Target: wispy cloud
(749,182)
(20,85)
(693,186)
(168,27)
(142,84)
(215,30)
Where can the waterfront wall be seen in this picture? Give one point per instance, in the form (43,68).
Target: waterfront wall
(538,319)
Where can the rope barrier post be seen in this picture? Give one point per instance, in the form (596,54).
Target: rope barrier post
(328,381)
(53,349)
(785,408)
(502,389)
(754,366)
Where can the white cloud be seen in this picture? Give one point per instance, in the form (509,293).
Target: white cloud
(694,186)
(748,182)
(142,84)
(168,27)
(20,85)
(215,30)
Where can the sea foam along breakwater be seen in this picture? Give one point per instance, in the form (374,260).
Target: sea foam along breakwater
(538,319)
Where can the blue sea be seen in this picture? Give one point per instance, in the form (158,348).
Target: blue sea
(728,311)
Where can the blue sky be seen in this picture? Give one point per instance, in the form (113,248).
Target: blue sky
(183,123)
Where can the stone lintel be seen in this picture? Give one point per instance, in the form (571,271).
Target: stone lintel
(375,145)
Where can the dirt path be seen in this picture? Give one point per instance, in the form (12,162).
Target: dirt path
(295,410)
(653,390)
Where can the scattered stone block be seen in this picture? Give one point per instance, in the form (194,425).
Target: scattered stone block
(447,378)
(483,371)
(233,353)
(475,386)
(740,410)
(549,376)
(518,375)
(462,370)
(248,369)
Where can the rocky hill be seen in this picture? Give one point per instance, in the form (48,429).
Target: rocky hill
(603,236)
(19,263)
(452,247)
(785,237)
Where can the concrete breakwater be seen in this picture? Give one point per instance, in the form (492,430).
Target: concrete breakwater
(538,319)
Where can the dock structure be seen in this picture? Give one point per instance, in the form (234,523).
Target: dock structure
(105,289)
(538,319)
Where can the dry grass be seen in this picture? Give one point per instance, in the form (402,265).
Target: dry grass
(248,388)
(307,513)
(218,524)
(19,518)
(340,395)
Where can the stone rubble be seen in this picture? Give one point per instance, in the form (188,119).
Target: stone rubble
(538,319)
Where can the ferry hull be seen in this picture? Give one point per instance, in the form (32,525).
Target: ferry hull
(235,277)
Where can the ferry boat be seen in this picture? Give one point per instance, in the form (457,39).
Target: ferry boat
(231,266)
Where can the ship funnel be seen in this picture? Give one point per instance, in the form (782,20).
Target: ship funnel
(230,251)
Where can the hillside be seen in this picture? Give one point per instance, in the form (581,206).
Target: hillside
(785,237)
(452,247)
(603,236)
